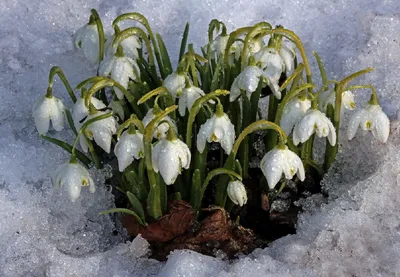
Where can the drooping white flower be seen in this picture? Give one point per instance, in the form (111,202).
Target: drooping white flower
(101,131)
(237,193)
(373,119)
(121,69)
(281,161)
(80,111)
(161,130)
(247,81)
(188,97)
(218,45)
(129,45)
(287,54)
(87,39)
(312,122)
(174,83)
(46,109)
(272,64)
(73,176)
(218,129)
(128,148)
(329,97)
(169,157)
(293,112)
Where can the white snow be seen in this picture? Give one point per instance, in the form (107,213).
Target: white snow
(356,233)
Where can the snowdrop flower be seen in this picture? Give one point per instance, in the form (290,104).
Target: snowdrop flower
(169,157)
(174,83)
(101,131)
(129,45)
(161,131)
(314,121)
(218,128)
(128,148)
(188,97)
(73,176)
(287,54)
(373,119)
(281,161)
(272,65)
(80,111)
(237,193)
(293,112)
(329,97)
(218,45)
(121,69)
(48,108)
(247,80)
(87,39)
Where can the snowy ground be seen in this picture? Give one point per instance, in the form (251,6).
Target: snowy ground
(357,233)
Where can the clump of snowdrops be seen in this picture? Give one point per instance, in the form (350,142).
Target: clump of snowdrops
(159,122)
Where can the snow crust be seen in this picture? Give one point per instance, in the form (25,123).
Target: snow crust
(355,233)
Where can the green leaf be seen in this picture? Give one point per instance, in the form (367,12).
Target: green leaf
(82,157)
(70,121)
(184,42)
(126,211)
(196,193)
(167,67)
(136,205)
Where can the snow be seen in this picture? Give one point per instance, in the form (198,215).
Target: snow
(356,233)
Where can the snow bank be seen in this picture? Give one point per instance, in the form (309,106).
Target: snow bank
(356,233)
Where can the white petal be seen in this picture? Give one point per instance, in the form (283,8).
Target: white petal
(354,122)
(41,115)
(271,167)
(287,55)
(57,114)
(204,133)
(169,164)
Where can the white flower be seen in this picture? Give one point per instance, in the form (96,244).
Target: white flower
(217,129)
(247,80)
(87,39)
(48,109)
(281,161)
(218,45)
(314,121)
(373,119)
(169,157)
(121,69)
(287,54)
(270,62)
(272,65)
(188,97)
(174,83)
(128,148)
(237,193)
(101,131)
(161,130)
(293,112)
(73,176)
(329,97)
(129,45)
(80,111)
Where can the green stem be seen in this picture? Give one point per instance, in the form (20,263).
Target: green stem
(55,70)
(154,205)
(100,29)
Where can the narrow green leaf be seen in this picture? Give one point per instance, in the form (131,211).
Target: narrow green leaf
(70,121)
(82,157)
(126,211)
(167,67)
(184,42)
(196,193)
(136,205)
